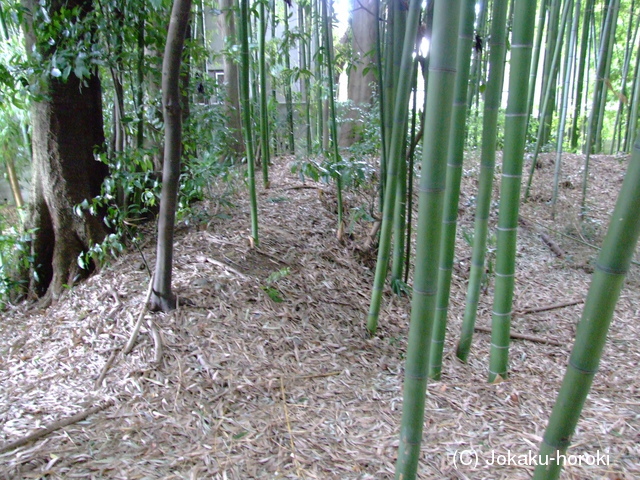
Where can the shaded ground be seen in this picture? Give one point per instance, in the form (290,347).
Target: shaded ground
(269,373)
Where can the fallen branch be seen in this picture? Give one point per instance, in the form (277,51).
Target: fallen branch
(571,237)
(52,427)
(553,246)
(522,336)
(547,308)
(303,187)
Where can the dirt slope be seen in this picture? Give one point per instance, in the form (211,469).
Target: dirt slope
(266,369)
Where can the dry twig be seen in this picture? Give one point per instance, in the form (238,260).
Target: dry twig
(136,328)
(547,308)
(52,427)
(286,416)
(522,336)
(106,368)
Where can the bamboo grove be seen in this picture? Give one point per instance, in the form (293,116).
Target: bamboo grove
(441,78)
(548,88)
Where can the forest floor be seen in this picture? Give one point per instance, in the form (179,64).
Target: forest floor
(267,370)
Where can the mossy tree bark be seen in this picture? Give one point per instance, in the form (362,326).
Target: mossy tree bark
(67,129)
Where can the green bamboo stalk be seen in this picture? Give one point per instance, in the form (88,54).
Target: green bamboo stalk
(547,102)
(630,41)
(514,141)
(333,124)
(635,103)
(550,70)
(390,73)
(452,191)
(606,283)
(304,84)
(492,101)
(3,23)
(582,60)
(399,222)
(274,94)
(537,48)
(411,155)
(399,213)
(382,102)
(598,91)
(247,129)
(264,115)
(432,184)
(396,143)
(565,101)
(317,73)
(607,74)
(474,74)
(288,95)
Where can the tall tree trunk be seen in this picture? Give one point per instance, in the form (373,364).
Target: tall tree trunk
(67,128)
(227,27)
(162,298)
(362,73)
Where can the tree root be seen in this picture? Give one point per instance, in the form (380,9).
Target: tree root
(134,334)
(106,368)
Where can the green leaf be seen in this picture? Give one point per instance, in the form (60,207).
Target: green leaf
(273,294)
